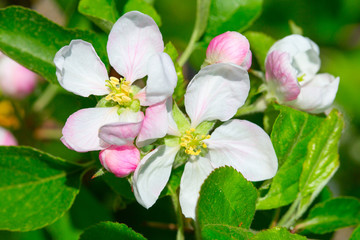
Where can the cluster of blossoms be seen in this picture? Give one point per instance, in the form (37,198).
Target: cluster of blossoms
(128,118)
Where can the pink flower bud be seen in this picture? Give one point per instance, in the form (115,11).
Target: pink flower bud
(6,138)
(15,80)
(229,47)
(120,160)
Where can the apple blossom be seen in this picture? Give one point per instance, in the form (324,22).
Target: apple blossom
(215,93)
(135,49)
(6,138)
(292,64)
(229,47)
(15,80)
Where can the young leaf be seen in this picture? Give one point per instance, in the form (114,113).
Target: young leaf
(225,232)
(234,15)
(144,7)
(331,215)
(102,12)
(277,234)
(226,200)
(260,44)
(322,160)
(110,231)
(36,189)
(291,134)
(32,40)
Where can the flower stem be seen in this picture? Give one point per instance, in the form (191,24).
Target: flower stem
(179,216)
(45,98)
(290,216)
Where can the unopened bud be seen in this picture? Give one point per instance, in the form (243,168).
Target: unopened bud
(229,47)
(120,160)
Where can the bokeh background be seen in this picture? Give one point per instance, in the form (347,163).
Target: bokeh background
(334,25)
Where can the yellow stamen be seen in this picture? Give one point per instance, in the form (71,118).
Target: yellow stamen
(193,142)
(120,91)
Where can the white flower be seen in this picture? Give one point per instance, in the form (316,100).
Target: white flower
(135,49)
(215,93)
(292,64)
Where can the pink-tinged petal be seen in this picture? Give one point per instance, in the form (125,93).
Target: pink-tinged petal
(81,129)
(124,131)
(245,147)
(229,47)
(194,175)
(247,61)
(152,174)
(80,70)
(6,138)
(161,80)
(303,52)
(15,80)
(155,124)
(132,40)
(120,160)
(216,93)
(318,94)
(281,76)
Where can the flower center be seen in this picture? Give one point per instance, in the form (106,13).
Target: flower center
(120,91)
(193,142)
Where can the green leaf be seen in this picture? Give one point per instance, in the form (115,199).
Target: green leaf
(144,7)
(277,234)
(322,160)
(110,231)
(331,215)
(63,229)
(120,186)
(32,40)
(36,189)
(291,134)
(260,44)
(102,12)
(225,232)
(226,200)
(180,119)
(356,234)
(179,90)
(234,15)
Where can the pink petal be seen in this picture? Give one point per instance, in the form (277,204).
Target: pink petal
(80,70)
(81,129)
(155,124)
(245,147)
(6,138)
(15,80)
(229,47)
(216,93)
(122,132)
(120,160)
(132,40)
(281,76)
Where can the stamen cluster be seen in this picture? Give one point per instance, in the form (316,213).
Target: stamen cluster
(120,91)
(193,142)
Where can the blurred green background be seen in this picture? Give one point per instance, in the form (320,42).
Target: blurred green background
(334,25)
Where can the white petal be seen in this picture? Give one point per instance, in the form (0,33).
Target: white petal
(194,175)
(122,132)
(303,51)
(80,70)
(152,174)
(161,80)
(216,93)
(244,146)
(81,129)
(318,94)
(132,40)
